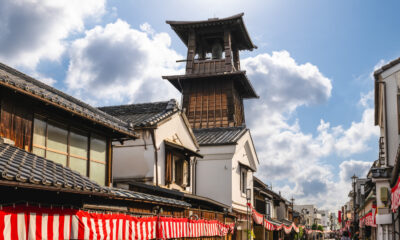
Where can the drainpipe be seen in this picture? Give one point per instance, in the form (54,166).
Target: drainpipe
(153,138)
(194,176)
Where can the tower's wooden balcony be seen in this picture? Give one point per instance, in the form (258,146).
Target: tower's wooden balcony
(210,66)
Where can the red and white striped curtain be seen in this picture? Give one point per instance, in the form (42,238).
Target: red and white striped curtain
(31,223)
(258,219)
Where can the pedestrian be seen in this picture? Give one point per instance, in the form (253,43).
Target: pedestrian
(345,236)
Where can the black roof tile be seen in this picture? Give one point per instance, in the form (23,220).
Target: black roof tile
(219,136)
(28,85)
(143,114)
(18,165)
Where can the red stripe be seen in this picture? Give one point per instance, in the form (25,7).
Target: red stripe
(38,226)
(14,224)
(50,220)
(2,215)
(61,221)
(89,222)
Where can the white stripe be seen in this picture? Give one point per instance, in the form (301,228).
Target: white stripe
(166,224)
(7,227)
(56,224)
(108,229)
(154,230)
(32,226)
(93,228)
(45,219)
(138,228)
(144,230)
(120,229)
(86,229)
(126,229)
(67,226)
(101,229)
(74,227)
(114,236)
(21,226)
(133,230)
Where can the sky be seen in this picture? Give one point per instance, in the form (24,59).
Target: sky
(313,125)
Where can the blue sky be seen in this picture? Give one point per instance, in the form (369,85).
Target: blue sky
(313,125)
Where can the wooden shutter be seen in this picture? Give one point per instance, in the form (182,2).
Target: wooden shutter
(168,167)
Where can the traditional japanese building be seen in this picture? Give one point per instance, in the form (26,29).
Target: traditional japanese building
(213,90)
(56,174)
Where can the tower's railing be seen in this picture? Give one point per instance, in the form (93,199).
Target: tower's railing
(210,66)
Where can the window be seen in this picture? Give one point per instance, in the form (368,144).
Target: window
(243,179)
(177,169)
(268,209)
(71,147)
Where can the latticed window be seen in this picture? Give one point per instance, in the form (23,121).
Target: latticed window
(82,151)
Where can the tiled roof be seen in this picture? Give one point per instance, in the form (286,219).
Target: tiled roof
(218,136)
(147,197)
(20,166)
(386,67)
(143,114)
(18,81)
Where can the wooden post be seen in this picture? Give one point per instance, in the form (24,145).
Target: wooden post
(191,52)
(228,51)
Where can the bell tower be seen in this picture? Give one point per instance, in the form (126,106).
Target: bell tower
(213,86)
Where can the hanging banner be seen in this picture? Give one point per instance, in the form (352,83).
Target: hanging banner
(395,197)
(17,223)
(258,219)
(339,216)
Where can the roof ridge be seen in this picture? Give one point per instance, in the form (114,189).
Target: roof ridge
(134,104)
(59,94)
(219,128)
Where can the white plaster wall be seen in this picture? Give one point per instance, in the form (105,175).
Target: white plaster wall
(136,158)
(133,159)
(392,119)
(174,130)
(218,174)
(247,156)
(214,179)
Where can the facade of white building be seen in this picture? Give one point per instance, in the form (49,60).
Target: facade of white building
(226,171)
(166,146)
(387,105)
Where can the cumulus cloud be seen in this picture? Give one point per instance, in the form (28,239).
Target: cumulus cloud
(366,99)
(288,155)
(284,84)
(121,64)
(353,167)
(32,30)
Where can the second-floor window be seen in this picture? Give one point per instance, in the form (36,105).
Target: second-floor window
(268,209)
(82,151)
(177,169)
(243,179)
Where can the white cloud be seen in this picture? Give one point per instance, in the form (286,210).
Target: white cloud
(33,30)
(354,139)
(289,156)
(366,99)
(284,84)
(121,64)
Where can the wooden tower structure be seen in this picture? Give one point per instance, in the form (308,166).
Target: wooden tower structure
(213,86)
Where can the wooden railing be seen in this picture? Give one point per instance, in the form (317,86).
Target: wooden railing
(209,66)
